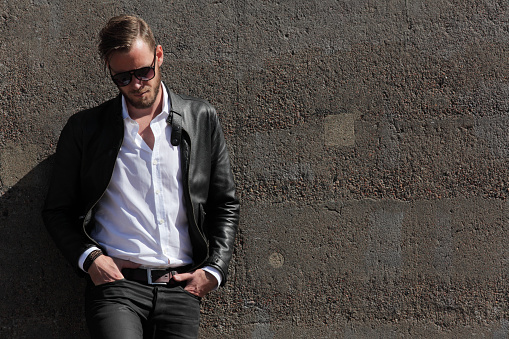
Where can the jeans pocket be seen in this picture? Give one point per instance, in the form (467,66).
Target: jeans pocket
(189,293)
(113,289)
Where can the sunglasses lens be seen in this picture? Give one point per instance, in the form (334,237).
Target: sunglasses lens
(145,73)
(122,79)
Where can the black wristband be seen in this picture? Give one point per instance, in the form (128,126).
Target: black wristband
(90,259)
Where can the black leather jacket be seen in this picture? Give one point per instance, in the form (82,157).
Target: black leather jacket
(84,162)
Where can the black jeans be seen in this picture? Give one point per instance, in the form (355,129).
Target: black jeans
(129,310)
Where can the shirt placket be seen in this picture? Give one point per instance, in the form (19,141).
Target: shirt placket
(157,181)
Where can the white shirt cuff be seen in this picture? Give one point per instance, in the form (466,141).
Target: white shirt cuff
(84,256)
(215,273)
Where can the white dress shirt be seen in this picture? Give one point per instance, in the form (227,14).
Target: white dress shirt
(142,215)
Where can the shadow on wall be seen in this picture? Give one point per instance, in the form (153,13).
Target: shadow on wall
(40,294)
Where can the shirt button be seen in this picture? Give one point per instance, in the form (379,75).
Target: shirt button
(161,221)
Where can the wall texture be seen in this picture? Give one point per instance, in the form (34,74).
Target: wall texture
(369,144)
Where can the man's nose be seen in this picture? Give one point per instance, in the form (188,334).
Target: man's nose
(135,82)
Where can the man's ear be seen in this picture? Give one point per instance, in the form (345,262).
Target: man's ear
(159,54)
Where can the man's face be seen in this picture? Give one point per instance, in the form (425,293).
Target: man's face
(138,93)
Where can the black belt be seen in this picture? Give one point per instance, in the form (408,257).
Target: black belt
(152,276)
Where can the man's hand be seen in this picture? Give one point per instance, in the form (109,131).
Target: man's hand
(106,269)
(199,282)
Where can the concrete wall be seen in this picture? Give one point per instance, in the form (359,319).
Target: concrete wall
(369,145)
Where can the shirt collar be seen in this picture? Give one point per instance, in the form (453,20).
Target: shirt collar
(166,105)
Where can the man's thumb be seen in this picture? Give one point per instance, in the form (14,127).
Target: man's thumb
(180,277)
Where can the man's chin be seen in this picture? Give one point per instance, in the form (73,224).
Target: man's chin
(140,103)
(145,101)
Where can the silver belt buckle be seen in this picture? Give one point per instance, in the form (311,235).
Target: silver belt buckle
(149,278)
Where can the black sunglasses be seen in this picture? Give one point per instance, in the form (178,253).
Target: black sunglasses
(142,74)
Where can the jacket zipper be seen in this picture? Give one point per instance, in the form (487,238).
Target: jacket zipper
(188,197)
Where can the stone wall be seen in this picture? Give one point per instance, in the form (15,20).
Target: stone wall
(369,146)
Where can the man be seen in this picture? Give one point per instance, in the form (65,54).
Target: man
(142,199)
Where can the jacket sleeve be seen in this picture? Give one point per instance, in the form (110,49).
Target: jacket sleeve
(222,208)
(61,213)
